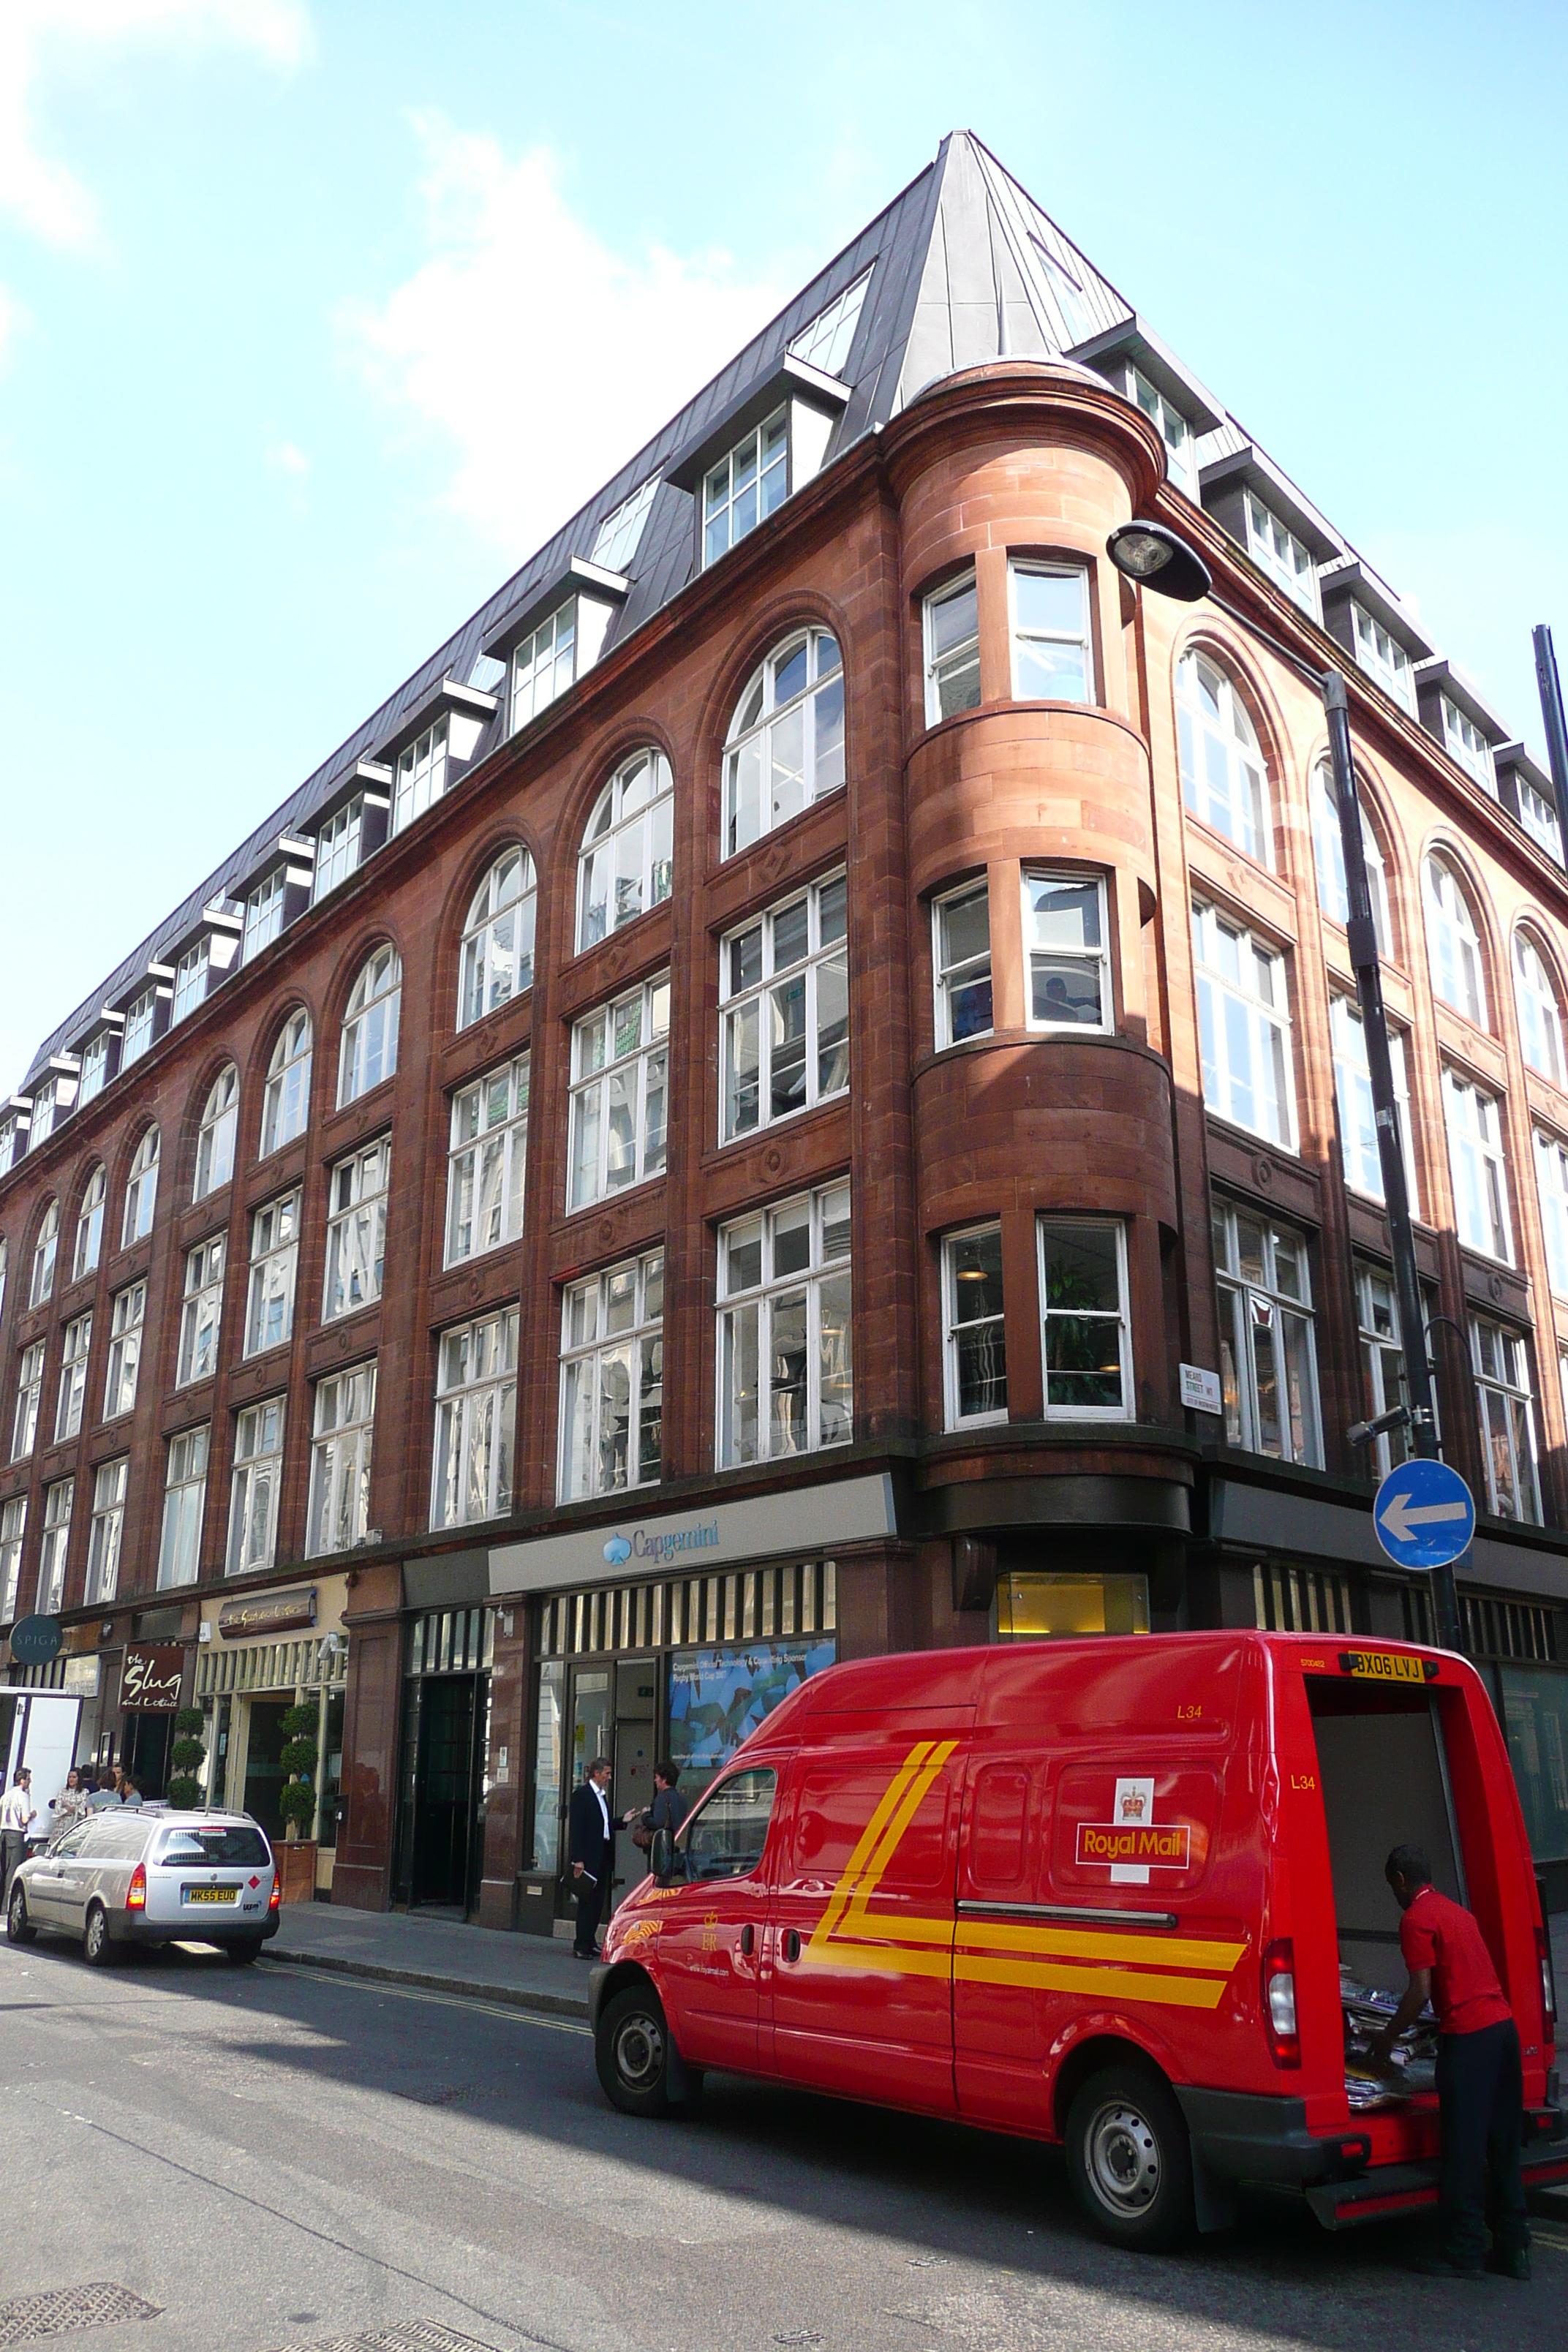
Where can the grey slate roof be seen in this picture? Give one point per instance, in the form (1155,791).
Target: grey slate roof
(965,267)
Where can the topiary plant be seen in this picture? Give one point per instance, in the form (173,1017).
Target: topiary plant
(187,1755)
(297,1802)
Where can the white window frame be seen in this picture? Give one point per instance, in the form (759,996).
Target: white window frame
(1225,783)
(1328,848)
(1089,958)
(140,1190)
(627,865)
(1453,937)
(1478,1164)
(986,1332)
(1353,1097)
(337,846)
(1023,635)
(1287,559)
(1250,1304)
(11,1133)
(1381,1360)
(619,535)
(823,341)
(13,1535)
(29,1398)
(356,1230)
(827,1208)
(1382,657)
(94,1070)
(105,1529)
(496,962)
(141,1014)
(1181,451)
(201,1313)
(1505,1411)
(1539,818)
(126,1318)
(367,1053)
(286,1098)
(600,1348)
(274,1269)
(192,975)
(1540,1014)
(952,666)
(54,1546)
(1070,1410)
(749,1007)
(45,1258)
(1466,745)
(419,780)
(1551,1186)
(264,913)
(217,1135)
(475,1415)
(1266,1025)
(543,666)
(638,1076)
(487,1163)
(954,975)
(184,1507)
(254,1487)
(46,1104)
(71,1401)
(89,1245)
(748,483)
(789,777)
(341,1454)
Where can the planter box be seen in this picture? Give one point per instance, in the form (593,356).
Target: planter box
(296,1862)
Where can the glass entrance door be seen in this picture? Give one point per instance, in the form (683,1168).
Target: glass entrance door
(631,1783)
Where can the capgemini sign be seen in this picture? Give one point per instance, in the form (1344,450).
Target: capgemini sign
(663,1544)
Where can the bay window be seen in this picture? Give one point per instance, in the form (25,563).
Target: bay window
(974,1335)
(1083,1300)
(1066,946)
(960,958)
(950,622)
(1053,654)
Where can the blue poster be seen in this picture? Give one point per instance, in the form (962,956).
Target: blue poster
(718,1698)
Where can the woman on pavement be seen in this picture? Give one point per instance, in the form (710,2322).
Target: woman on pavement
(68,1807)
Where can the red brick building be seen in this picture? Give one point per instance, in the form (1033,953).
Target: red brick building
(703,1138)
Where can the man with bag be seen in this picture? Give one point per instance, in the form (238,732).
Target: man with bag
(667,1811)
(592,1852)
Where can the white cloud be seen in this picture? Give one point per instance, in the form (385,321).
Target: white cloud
(285,462)
(38,189)
(543,355)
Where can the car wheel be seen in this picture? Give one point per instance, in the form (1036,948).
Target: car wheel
(96,1947)
(19,1929)
(631,2051)
(1130,2159)
(242,1953)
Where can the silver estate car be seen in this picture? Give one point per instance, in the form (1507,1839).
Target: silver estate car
(130,1876)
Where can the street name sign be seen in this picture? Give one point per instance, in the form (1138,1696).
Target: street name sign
(1424,1515)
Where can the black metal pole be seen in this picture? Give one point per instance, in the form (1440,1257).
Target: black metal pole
(1551,689)
(1364,958)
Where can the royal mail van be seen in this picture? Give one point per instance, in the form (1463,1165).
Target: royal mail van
(1125,1895)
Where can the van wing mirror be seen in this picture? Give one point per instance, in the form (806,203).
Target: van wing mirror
(661,1856)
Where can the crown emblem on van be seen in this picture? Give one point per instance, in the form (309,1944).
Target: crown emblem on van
(1132,1805)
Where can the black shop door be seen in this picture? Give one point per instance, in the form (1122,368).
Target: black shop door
(446,1791)
(145,1750)
(263,1773)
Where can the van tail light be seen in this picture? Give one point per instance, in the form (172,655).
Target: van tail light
(276,1897)
(1548,1983)
(1279,2003)
(136,1893)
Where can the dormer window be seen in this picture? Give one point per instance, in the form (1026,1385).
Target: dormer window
(354,830)
(13,1140)
(98,1060)
(141,1022)
(1276,549)
(205,961)
(1383,658)
(190,979)
(1173,429)
(278,898)
(53,1099)
(753,455)
(421,777)
(825,342)
(621,531)
(1463,741)
(544,665)
(1539,818)
(746,486)
(439,734)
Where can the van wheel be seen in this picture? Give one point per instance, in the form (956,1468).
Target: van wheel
(96,1947)
(1130,2159)
(19,1929)
(631,2051)
(242,1953)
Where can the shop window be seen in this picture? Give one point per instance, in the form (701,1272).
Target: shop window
(12,1528)
(29,1393)
(784,993)
(950,621)
(1088,1344)
(1268,1366)
(257,1474)
(140,1191)
(1053,657)
(59,1502)
(201,1313)
(476,1412)
(620,1097)
(1453,943)
(975,1334)
(626,867)
(1540,1014)
(612,1380)
(1051,1607)
(368,1054)
(1499,1361)
(1064,945)
(46,1254)
(127,1317)
(497,959)
(1300,1599)
(1243,1028)
(1224,779)
(274,1252)
(73,1378)
(106,1531)
(356,1230)
(961,959)
(1328,854)
(285,1103)
(1353,1093)
(185,1501)
(89,1226)
(214,1137)
(1535,1719)
(340,1460)
(1477,1166)
(487,1163)
(786,1360)
(785,746)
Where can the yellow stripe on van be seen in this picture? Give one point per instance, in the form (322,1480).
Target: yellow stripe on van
(1093,1943)
(865,1845)
(1102,1984)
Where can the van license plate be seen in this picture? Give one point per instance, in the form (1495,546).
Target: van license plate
(1386,1667)
(208,1894)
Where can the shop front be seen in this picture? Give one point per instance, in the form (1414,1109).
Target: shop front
(444,1752)
(257,1656)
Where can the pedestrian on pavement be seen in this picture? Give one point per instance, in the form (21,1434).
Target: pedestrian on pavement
(130,1795)
(592,1853)
(68,1807)
(17,1814)
(108,1789)
(667,1811)
(1481,2091)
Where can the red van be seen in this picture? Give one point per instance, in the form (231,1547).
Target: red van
(1127,1894)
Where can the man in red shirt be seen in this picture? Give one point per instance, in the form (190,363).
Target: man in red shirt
(1480,2090)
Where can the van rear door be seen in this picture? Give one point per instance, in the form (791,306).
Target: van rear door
(859,1994)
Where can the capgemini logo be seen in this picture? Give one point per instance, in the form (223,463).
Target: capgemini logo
(616,1550)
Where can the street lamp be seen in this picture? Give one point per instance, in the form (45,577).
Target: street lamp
(1154,557)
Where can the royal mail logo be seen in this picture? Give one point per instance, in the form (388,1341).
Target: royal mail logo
(1148,1845)
(1132,1805)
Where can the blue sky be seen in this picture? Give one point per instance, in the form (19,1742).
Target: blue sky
(316,316)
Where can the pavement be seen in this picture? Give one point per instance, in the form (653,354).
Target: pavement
(408,1948)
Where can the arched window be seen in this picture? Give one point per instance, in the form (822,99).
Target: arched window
(1453,945)
(626,864)
(1224,781)
(285,1103)
(140,1190)
(90,1225)
(214,1137)
(497,962)
(46,1249)
(369,1051)
(785,744)
(1328,848)
(1540,1014)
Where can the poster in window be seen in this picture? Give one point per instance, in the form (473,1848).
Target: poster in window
(718,1698)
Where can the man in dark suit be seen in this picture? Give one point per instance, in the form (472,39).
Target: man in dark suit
(592,1853)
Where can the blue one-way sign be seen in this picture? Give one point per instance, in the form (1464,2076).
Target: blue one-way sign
(1424,1515)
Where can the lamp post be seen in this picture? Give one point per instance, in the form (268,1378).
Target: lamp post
(1156,557)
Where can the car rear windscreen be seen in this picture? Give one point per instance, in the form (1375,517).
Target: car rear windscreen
(239,1846)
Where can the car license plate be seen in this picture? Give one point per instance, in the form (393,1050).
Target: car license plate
(208,1894)
(1386,1667)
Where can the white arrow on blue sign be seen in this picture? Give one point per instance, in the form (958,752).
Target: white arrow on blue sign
(1424,1515)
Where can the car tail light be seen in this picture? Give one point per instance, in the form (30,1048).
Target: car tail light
(136,1893)
(1279,2003)
(1548,1983)
(276,1897)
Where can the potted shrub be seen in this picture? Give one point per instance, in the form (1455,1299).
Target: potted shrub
(296,1800)
(187,1757)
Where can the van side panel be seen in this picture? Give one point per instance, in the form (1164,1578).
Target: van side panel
(1498,1863)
